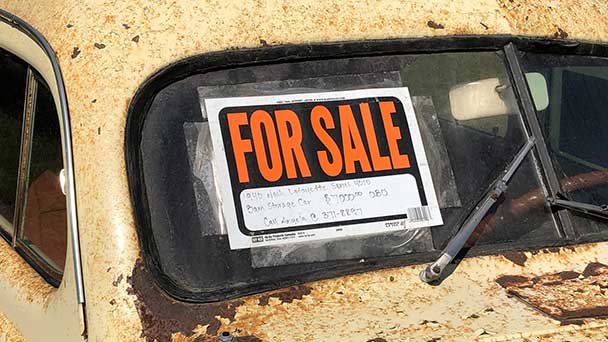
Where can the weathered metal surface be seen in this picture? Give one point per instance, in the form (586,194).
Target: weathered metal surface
(568,296)
(21,276)
(142,36)
(597,333)
(390,305)
(33,307)
(8,331)
(561,19)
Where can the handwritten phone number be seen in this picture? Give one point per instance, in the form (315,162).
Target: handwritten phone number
(341,213)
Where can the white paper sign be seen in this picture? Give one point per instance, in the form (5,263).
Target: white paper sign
(302,167)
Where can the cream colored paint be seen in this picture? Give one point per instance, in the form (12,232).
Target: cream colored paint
(8,332)
(39,311)
(366,306)
(101,82)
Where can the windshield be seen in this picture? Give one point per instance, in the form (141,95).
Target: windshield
(574,121)
(470,127)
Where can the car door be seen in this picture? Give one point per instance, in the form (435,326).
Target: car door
(40,299)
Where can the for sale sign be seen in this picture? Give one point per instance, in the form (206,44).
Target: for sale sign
(302,167)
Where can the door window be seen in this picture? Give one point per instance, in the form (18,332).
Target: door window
(44,220)
(13,73)
(33,215)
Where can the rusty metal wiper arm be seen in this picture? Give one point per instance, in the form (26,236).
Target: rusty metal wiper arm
(434,271)
(600,211)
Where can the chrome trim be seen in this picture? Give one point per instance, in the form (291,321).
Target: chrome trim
(25,152)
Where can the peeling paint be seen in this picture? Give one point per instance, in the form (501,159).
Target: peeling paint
(286,296)
(75,52)
(434,25)
(518,258)
(162,316)
(566,295)
(561,34)
(117,281)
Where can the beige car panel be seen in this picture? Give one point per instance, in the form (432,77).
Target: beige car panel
(8,331)
(107,49)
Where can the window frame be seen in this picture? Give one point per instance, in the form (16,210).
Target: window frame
(143,98)
(32,47)
(50,273)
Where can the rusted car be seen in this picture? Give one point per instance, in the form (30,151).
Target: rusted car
(303,170)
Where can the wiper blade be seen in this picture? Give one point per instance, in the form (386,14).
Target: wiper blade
(600,211)
(434,271)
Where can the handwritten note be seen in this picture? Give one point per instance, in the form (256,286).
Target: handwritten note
(334,201)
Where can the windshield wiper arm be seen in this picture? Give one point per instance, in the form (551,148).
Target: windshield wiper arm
(433,271)
(600,211)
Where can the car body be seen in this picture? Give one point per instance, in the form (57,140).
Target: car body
(114,56)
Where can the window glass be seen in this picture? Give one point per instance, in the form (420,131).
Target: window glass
(44,224)
(575,125)
(13,74)
(468,144)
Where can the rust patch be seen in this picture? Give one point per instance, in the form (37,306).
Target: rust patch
(518,258)
(567,275)
(567,296)
(118,280)
(249,338)
(287,295)
(595,269)
(561,34)
(573,322)
(161,316)
(508,280)
(434,25)
(75,52)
